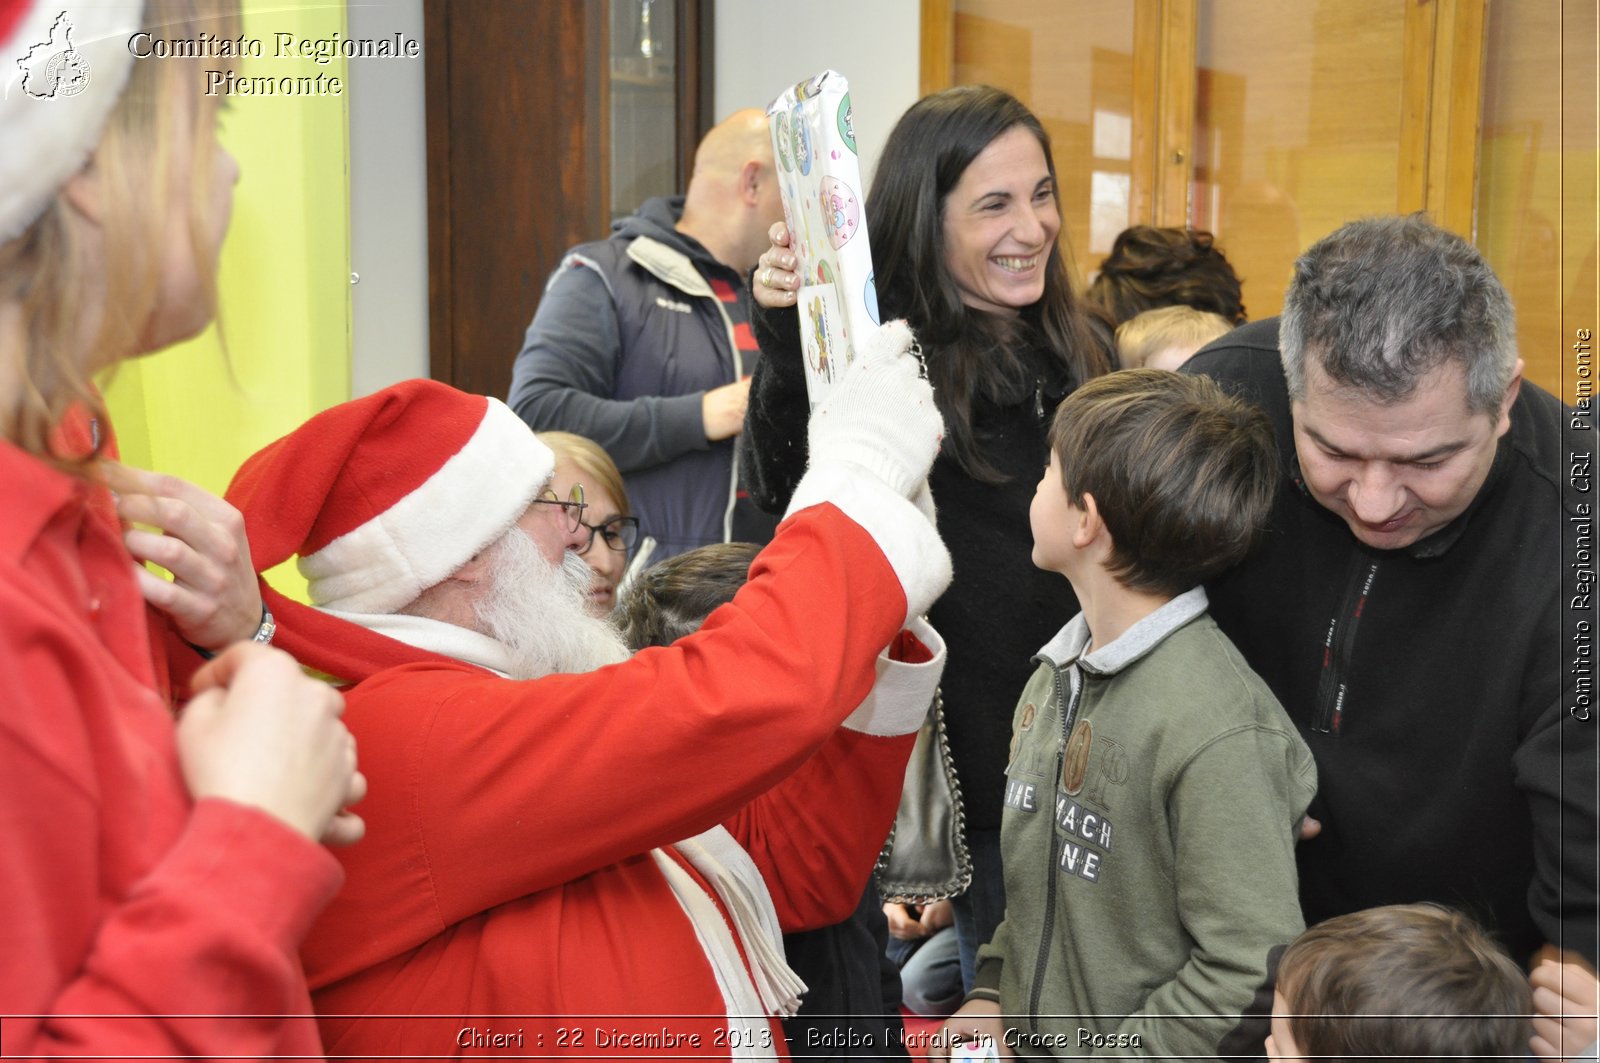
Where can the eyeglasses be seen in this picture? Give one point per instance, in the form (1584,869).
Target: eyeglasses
(618,533)
(571,509)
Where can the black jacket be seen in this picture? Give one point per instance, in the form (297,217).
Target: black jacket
(1431,683)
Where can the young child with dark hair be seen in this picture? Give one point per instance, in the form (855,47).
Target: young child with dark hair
(1155,783)
(672,598)
(1408,981)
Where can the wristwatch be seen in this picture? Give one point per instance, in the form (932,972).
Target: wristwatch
(268,628)
(263,635)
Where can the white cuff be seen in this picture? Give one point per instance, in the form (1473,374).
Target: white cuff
(905,536)
(899,700)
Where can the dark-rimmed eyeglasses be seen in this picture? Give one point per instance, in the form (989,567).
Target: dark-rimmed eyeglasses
(618,533)
(571,508)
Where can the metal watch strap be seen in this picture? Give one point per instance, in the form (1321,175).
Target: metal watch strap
(268,628)
(263,635)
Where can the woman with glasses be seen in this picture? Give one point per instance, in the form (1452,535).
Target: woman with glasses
(613,530)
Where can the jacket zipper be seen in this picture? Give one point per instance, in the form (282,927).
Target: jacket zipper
(1337,649)
(1069,713)
(738,375)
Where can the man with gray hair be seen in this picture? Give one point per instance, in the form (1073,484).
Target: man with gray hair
(1407,608)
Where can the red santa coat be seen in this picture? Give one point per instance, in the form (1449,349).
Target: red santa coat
(126,904)
(505,897)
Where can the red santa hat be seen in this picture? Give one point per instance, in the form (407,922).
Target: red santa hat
(63,65)
(382,498)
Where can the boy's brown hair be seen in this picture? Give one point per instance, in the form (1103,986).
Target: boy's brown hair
(1182,473)
(1409,980)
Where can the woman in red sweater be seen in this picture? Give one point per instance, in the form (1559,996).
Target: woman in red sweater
(157,879)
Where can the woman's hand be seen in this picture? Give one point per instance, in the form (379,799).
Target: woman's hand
(260,732)
(775,283)
(213,598)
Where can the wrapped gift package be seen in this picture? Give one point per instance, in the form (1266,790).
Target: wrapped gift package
(819,175)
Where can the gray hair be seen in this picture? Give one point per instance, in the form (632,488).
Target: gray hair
(1383,301)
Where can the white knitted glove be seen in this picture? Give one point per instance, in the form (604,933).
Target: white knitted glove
(880,416)
(873,440)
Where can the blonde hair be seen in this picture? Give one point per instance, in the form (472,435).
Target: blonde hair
(1147,334)
(48,273)
(593,463)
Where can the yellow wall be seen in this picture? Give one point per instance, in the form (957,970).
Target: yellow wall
(284,284)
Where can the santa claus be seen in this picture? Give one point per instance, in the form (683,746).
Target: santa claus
(566,851)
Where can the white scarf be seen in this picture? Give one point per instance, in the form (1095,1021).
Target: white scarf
(769,987)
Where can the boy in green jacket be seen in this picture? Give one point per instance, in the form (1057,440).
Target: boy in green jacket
(1155,783)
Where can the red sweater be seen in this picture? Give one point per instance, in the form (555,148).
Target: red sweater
(126,904)
(505,885)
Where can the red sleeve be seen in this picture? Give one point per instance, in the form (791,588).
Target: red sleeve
(817,834)
(484,790)
(175,660)
(125,905)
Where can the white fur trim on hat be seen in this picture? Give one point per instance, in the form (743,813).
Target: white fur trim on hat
(54,100)
(472,500)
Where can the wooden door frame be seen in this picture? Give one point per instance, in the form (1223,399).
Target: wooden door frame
(543,184)
(1441,105)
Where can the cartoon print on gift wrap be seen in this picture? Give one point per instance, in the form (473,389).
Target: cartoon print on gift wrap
(825,276)
(817,345)
(781,142)
(840,210)
(869,296)
(800,141)
(847,127)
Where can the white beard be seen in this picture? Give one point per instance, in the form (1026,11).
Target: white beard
(538,611)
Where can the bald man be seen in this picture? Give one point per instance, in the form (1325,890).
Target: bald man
(641,342)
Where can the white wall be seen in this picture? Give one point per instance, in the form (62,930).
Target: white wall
(763,47)
(388,204)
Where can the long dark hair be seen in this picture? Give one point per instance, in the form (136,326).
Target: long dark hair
(970,352)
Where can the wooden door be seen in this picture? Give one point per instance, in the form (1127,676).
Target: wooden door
(519,159)
(1272,124)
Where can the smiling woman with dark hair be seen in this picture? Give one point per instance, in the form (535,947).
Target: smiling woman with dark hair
(965,222)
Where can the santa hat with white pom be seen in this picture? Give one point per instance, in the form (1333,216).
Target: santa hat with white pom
(63,65)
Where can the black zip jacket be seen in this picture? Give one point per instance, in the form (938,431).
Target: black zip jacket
(1431,683)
